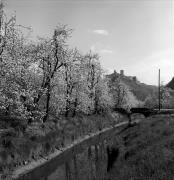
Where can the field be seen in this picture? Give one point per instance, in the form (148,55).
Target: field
(146,151)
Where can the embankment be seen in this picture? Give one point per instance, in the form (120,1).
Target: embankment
(45,166)
(39,140)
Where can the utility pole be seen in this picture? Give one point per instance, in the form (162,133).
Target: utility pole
(159,94)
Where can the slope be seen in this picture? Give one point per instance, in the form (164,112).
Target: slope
(140,90)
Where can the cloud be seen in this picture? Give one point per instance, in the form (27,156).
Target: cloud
(101,32)
(101,48)
(106,51)
(100,51)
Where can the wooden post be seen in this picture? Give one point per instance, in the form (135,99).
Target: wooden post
(159,94)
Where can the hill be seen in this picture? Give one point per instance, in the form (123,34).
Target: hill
(171,84)
(140,90)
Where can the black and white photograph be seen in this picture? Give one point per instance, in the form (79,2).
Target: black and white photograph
(86,89)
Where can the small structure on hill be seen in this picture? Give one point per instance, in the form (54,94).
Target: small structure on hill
(122,72)
(122,75)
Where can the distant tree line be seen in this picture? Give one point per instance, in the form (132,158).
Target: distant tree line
(166,99)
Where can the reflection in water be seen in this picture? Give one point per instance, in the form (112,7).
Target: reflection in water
(92,164)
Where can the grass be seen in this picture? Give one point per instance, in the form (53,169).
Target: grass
(22,144)
(148,152)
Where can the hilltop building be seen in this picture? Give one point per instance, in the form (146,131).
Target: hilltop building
(121,72)
(122,75)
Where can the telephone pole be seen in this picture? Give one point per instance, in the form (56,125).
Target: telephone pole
(159,94)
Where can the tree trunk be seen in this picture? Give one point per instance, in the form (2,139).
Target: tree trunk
(47,102)
(75,107)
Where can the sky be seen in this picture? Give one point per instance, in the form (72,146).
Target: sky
(134,35)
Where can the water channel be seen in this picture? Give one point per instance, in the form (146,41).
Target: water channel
(94,163)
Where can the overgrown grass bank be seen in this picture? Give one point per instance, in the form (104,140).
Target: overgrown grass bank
(22,144)
(147,151)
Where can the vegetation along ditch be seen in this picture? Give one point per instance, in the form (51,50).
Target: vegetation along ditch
(60,109)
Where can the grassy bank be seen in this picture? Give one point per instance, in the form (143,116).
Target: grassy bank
(19,145)
(147,151)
